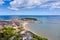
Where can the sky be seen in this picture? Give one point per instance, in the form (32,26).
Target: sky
(29,7)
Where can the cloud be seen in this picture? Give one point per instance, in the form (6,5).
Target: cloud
(18,4)
(55,5)
(51,4)
(1,2)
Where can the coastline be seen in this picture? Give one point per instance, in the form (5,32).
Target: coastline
(16,24)
(27,29)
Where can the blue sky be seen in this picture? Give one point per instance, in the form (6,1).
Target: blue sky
(29,7)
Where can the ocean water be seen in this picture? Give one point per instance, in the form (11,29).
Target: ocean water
(47,25)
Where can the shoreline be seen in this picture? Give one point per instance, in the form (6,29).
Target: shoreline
(27,29)
(30,30)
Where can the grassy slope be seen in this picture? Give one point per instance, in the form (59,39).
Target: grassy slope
(8,31)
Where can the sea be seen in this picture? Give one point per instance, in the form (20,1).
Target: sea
(47,26)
